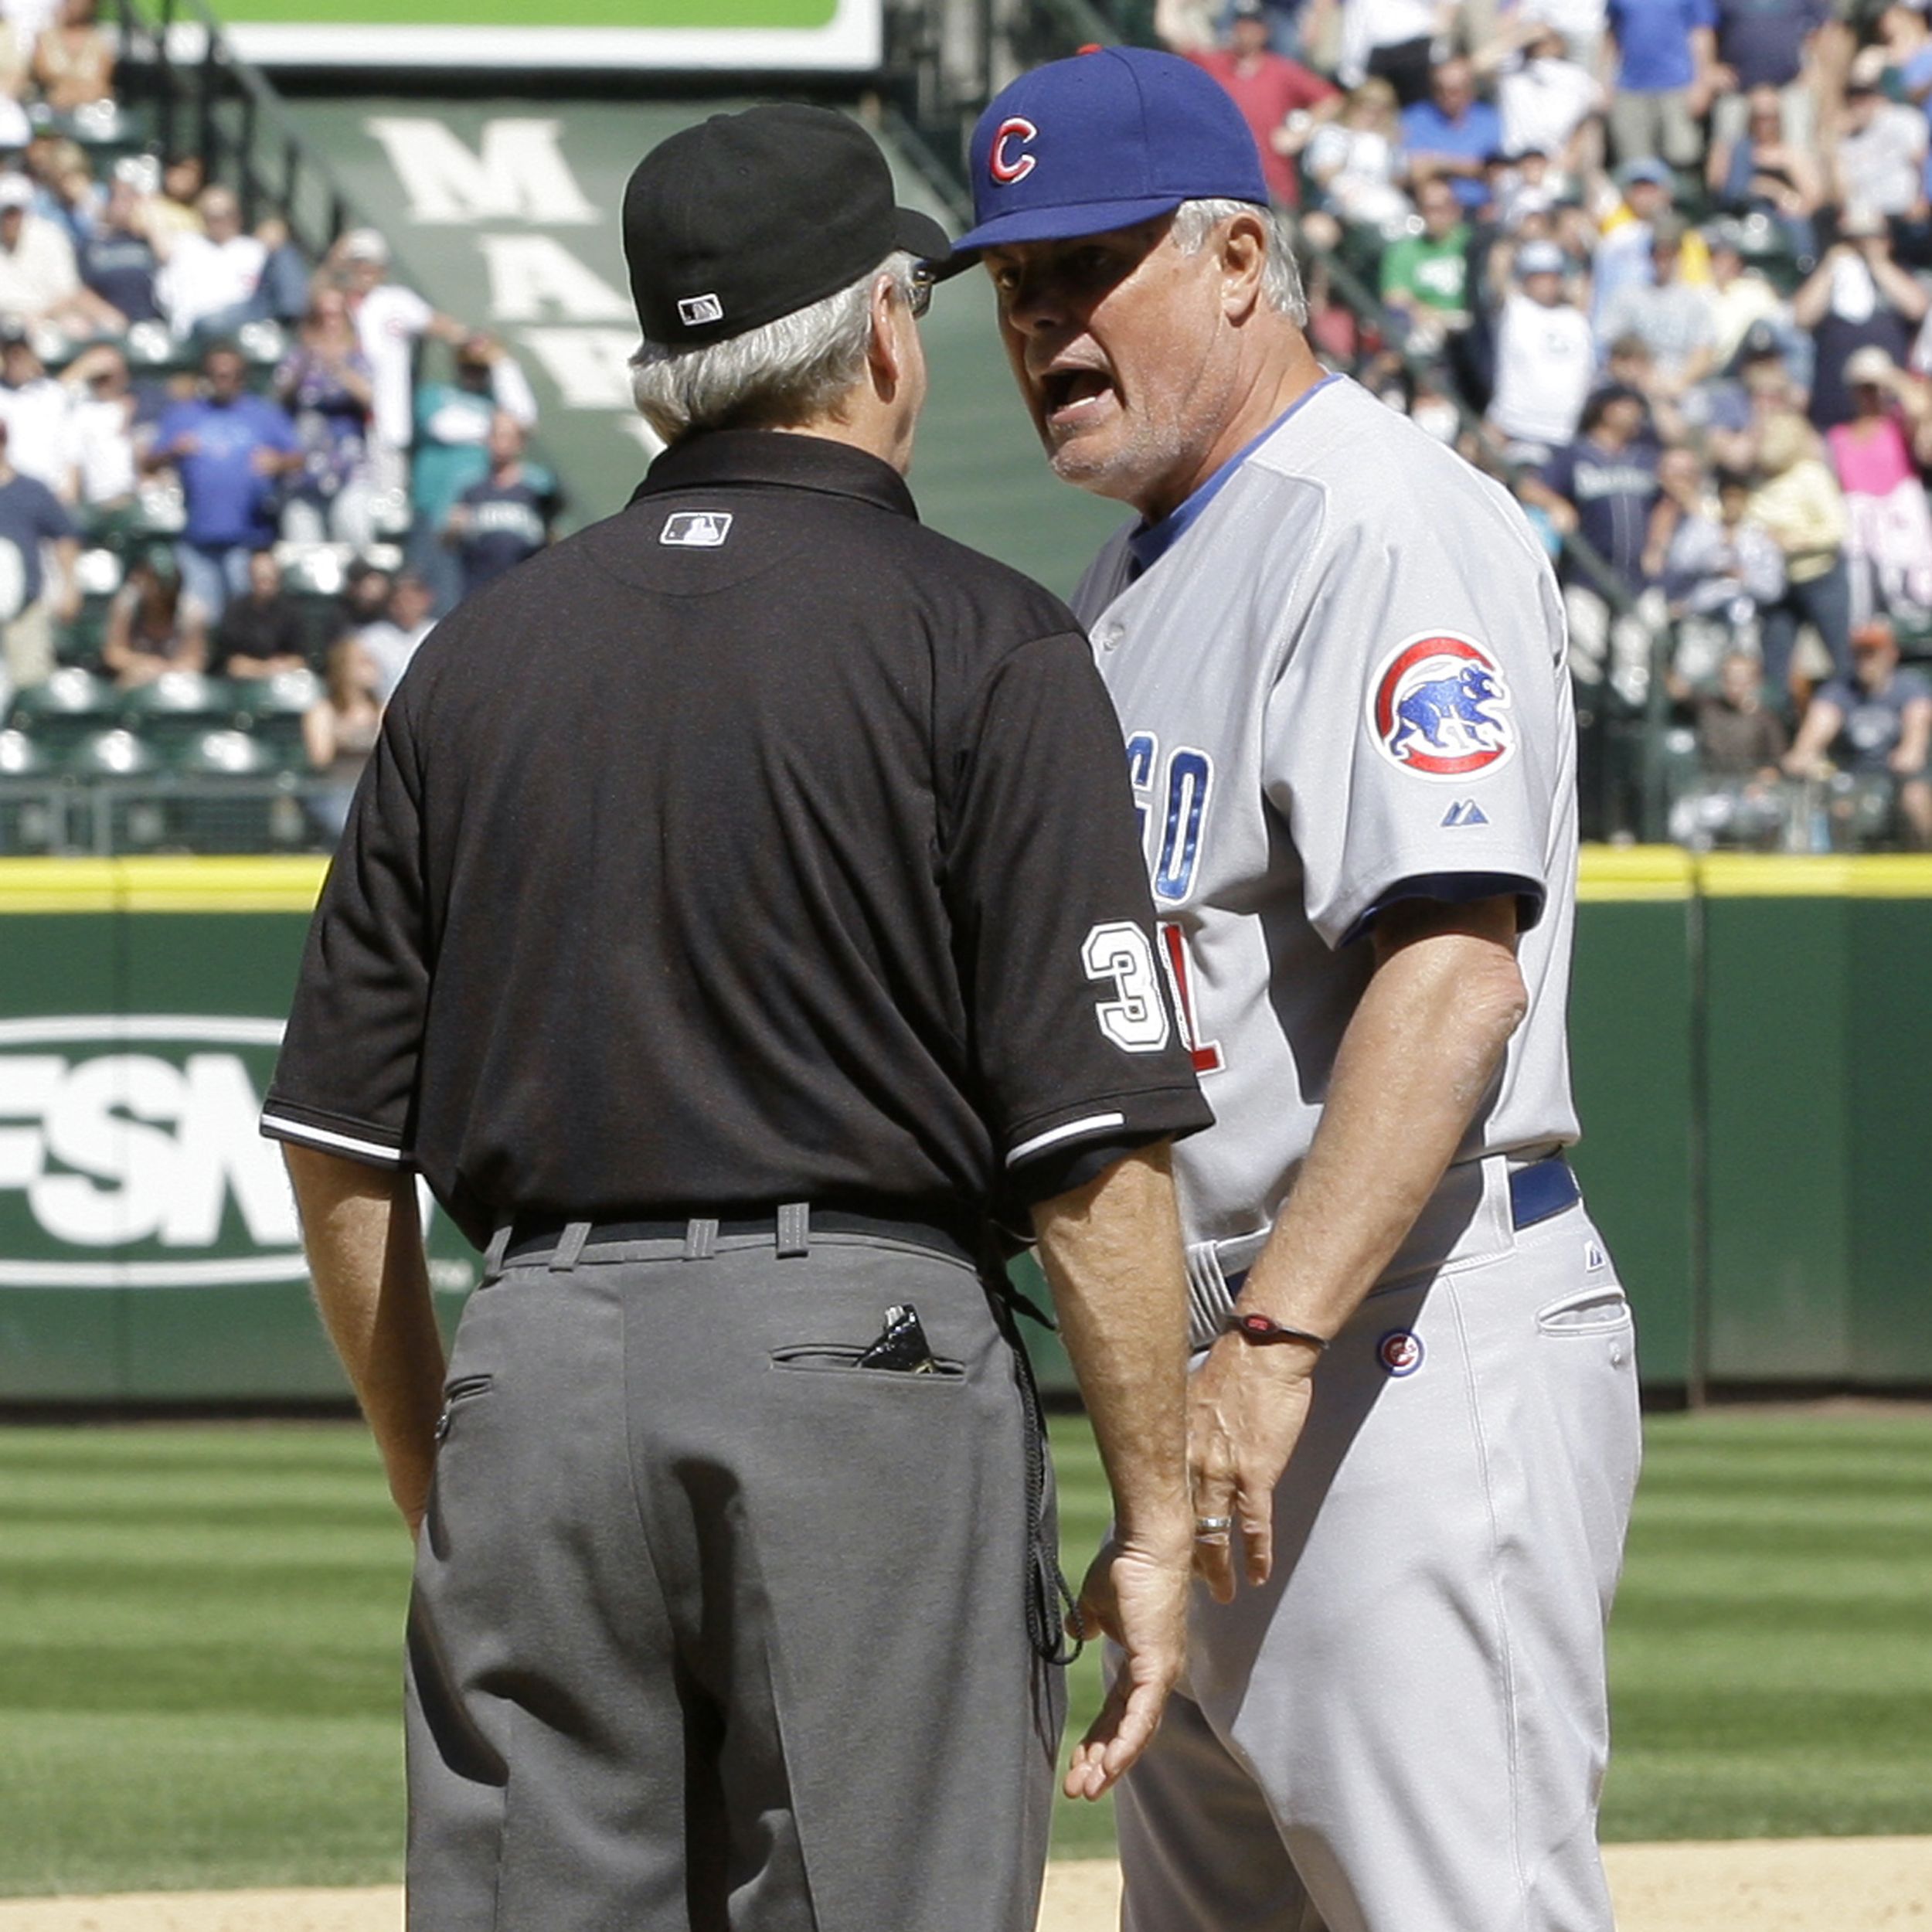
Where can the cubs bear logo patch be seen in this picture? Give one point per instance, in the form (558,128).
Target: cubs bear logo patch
(1400,1351)
(1440,708)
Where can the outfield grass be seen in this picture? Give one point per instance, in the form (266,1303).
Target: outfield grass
(200,1633)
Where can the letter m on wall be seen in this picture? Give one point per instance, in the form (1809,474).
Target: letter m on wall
(517,172)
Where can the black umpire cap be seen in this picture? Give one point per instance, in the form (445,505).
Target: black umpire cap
(750,216)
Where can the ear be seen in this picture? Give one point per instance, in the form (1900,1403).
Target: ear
(884,351)
(1243,253)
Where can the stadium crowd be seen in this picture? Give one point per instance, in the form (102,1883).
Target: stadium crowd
(1665,268)
(217,457)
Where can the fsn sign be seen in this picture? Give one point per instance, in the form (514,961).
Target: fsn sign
(130,1155)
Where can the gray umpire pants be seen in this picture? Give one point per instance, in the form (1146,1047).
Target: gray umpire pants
(712,1628)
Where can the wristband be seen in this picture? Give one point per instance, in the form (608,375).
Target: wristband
(1261,1329)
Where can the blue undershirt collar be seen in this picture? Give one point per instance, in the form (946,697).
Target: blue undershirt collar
(1152,541)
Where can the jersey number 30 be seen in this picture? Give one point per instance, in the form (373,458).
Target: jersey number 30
(1135,1019)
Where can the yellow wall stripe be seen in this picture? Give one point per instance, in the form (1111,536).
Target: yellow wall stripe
(1607,874)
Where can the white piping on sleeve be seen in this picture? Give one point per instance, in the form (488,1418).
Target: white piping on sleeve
(296,1130)
(1093,1123)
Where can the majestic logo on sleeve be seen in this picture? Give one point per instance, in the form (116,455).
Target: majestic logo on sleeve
(1441,710)
(1005,168)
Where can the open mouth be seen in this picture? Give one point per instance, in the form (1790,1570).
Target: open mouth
(1069,396)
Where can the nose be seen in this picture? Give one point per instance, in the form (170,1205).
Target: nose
(1035,303)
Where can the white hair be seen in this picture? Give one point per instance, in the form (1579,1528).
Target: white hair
(790,371)
(1195,221)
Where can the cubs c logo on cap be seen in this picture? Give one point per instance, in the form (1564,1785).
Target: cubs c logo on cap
(1016,128)
(1440,708)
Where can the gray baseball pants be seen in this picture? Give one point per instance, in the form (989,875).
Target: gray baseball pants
(1406,1730)
(712,1628)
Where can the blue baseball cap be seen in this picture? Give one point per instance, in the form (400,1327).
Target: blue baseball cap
(1112,137)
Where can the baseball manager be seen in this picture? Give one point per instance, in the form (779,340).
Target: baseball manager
(740,913)
(1338,657)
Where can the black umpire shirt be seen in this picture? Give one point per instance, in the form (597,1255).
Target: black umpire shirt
(756,844)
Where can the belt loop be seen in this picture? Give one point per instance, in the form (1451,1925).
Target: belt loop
(700,1239)
(570,1245)
(493,1255)
(795,1229)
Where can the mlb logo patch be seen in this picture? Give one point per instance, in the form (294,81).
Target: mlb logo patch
(1400,1351)
(696,529)
(1440,708)
(695,310)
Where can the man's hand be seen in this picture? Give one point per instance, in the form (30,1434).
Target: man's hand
(1138,1597)
(1246,1407)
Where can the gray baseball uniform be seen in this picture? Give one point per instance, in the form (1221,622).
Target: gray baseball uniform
(1339,667)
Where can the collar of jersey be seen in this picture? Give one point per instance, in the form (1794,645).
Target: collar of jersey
(1152,541)
(715,457)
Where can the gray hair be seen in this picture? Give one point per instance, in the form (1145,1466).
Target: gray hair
(1195,221)
(792,370)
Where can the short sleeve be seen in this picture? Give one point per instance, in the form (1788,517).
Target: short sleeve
(364,978)
(1071,1031)
(1419,737)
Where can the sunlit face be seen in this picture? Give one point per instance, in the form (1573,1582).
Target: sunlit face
(1739,677)
(1119,346)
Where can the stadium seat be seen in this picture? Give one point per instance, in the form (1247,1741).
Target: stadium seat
(117,753)
(176,707)
(71,706)
(32,808)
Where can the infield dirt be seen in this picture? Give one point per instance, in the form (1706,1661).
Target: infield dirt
(1848,1885)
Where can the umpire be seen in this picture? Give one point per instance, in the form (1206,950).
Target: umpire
(727,932)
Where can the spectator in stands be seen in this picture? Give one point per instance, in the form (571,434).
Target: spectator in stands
(364,597)
(1425,277)
(1355,162)
(38,413)
(1740,297)
(38,279)
(103,417)
(1765,47)
(1282,101)
(74,60)
(1858,297)
(260,633)
(285,279)
(1874,726)
(1545,359)
(506,519)
(72,196)
(153,625)
(1876,456)
(1673,318)
(209,281)
(118,265)
(34,528)
(1741,743)
(1603,488)
(230,450)
(339,731)
(1722,568)
(1798,501)
(1666,73)
(391,641)
(1878,162)
(1548,104)
(1622,256)
(326,385)
(1739,735)
(452,424)
(1757,171)
(1395,39)
(389,320)
(15,129)
(1907,41)
(174,209)
(1451,135)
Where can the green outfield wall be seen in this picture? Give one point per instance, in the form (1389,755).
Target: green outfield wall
(1753,1047)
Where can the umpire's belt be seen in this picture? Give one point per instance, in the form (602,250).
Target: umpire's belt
(790,1228)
